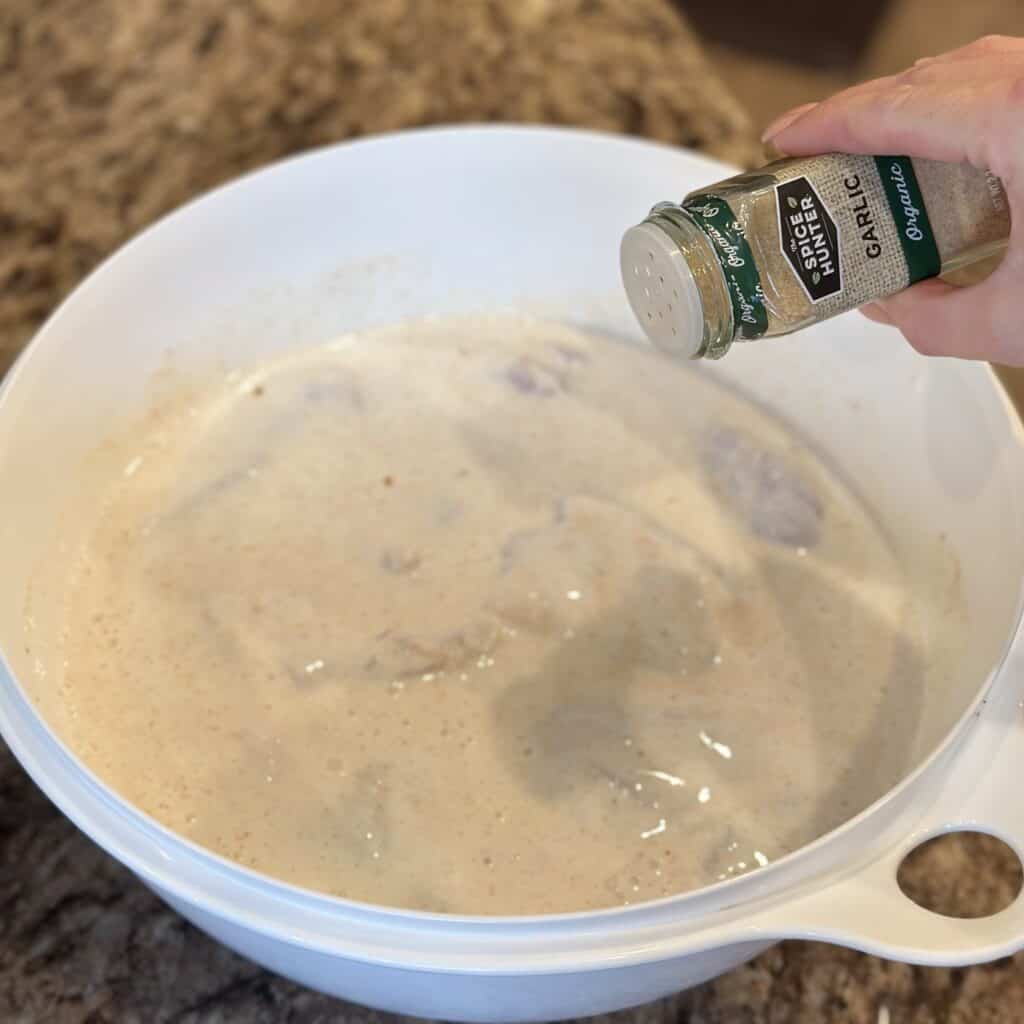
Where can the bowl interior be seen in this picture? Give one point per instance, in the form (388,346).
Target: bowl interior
(464,220)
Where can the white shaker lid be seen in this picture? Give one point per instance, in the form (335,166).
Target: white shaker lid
(661,289)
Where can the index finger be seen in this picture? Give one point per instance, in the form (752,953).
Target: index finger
(952,121)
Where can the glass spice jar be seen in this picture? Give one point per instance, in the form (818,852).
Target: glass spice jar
(802,240)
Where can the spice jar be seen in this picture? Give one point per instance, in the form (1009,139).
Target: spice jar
(802,240)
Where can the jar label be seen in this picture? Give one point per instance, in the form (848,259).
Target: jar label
(809,239)
(886,237)
(914,229)
(715,218)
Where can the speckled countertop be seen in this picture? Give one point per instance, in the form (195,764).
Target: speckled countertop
(113,113)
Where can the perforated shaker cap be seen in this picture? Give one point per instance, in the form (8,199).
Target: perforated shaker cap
(661,289)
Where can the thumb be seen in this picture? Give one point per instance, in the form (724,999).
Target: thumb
(940,319)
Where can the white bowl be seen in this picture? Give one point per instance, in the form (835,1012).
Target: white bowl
(465,219)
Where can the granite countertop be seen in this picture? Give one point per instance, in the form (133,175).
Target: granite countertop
(114,113)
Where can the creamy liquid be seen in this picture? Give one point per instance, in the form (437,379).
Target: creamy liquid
(488,616)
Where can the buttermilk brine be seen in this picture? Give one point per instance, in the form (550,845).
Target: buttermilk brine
(443,616)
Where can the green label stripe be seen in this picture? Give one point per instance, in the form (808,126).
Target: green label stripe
(910,216)
(713,216)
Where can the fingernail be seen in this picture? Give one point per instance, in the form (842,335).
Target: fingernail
(876,311)
(783,121)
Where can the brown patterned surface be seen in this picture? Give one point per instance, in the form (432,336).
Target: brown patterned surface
(113,113)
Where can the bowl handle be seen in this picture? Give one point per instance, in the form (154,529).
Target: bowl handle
(984,792)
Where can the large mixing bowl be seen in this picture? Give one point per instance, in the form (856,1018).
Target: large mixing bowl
(447,221)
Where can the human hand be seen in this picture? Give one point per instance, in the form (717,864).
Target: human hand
(967,105)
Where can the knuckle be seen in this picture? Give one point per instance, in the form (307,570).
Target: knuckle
(1015,93)
(895,99)
(991,43)
(1004,344)
(982,43)
(843,121)
(981,313)
(921,71)
(921,340)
